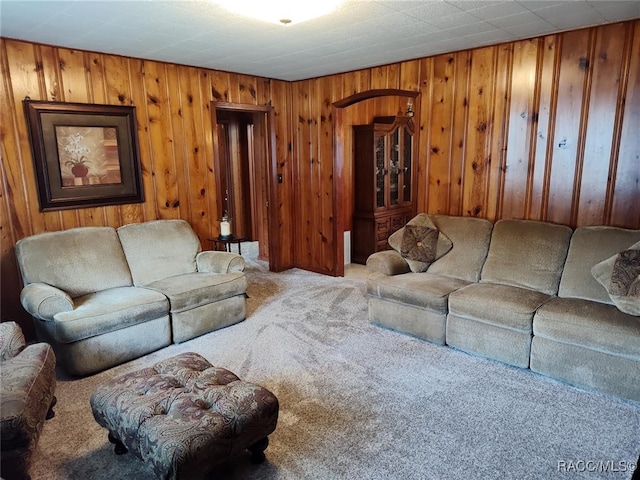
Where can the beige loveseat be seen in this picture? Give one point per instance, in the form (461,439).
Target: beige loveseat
(102,296)
(521,292)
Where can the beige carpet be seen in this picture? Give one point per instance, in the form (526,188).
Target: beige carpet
(361,402)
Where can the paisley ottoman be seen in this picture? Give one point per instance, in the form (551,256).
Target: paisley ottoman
(184,417)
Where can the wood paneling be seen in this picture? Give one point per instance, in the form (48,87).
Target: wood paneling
(602,123)
(624,197)
(539,129)
(175,137)
(282,194)
(543,129)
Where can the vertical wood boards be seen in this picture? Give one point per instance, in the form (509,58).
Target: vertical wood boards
(544,101)
(439,112)
(538,129)
(479,128)
(174,133)
(566,137)
(624,197)
(282,197)
(542,129)
(601,125)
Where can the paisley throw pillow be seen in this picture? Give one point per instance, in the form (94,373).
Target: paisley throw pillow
(413,251)
(419,243)
(620,276)
(625,278)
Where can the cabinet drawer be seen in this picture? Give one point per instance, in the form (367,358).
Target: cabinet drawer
(382,229)
(382,236)
(382,246)
(397,222)
(382,225)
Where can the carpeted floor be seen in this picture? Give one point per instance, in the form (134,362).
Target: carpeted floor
(361,402)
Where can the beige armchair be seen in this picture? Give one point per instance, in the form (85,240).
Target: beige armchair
(27,385)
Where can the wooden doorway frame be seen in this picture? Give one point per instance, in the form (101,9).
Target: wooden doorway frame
(338,160)
(270,135)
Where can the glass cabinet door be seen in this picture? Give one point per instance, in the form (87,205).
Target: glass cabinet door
(394,167)
(381,171)
(407,165)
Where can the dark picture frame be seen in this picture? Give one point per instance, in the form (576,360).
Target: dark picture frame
(85,155)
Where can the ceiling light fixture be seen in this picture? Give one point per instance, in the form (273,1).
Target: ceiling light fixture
(281,12)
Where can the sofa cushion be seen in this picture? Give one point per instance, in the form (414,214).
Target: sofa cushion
(106,311)
(424,290)
(620,276)
(590,246)
(470,242)
(443,244)
(526,253)
(159,249)
(74,260)
(500,305)
(591,325)
(191,290)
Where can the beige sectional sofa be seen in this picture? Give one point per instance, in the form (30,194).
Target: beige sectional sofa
(521,292)
(102,296)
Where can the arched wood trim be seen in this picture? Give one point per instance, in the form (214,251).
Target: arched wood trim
(380,92)
(241,107)
(338,163)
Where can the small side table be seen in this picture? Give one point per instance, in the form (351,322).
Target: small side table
(227,242)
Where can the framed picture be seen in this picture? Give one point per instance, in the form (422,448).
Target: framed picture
(85,155)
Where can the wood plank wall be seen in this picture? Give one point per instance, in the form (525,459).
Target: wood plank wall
(175,135)
(542,129)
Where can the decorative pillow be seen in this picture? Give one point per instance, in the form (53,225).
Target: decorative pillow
(620,276)
(420,243)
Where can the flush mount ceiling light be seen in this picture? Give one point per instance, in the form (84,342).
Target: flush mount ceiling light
(282,12)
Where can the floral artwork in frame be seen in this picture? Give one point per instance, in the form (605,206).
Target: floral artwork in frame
(85,155)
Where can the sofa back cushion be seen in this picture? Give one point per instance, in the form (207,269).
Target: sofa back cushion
(159,249)
(589,246)
(78,261)
(527,253)
(470,239)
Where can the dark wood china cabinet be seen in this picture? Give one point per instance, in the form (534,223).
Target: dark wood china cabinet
(383,182)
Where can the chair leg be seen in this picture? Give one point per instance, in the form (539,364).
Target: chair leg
(257,450)
(50,412)
(119,448)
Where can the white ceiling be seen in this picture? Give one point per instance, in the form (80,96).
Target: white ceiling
(360,34)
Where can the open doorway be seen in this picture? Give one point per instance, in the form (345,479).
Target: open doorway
(359,108)
(242,171)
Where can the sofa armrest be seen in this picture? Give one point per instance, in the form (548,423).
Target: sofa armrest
(43,301)
(219,262)
(12,340)
(388,262)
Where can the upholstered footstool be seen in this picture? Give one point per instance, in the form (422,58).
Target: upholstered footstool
(184,416)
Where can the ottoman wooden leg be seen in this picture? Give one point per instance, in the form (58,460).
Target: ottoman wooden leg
(50,412)
(120,449)
(257,450)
